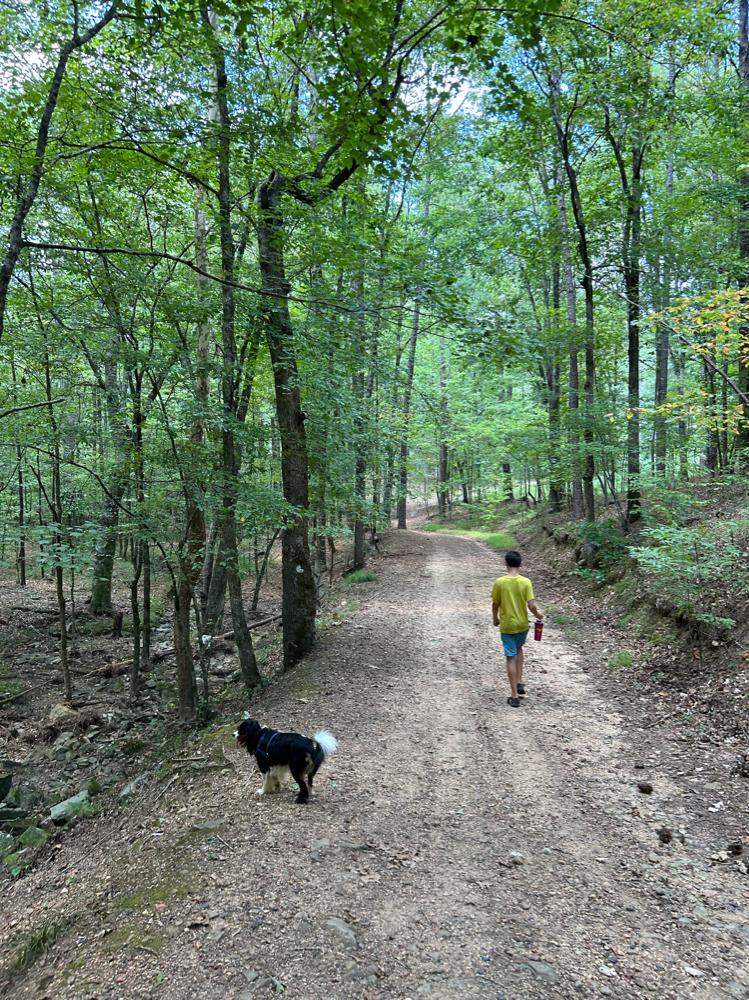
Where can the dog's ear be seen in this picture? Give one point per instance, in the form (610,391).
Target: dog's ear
(247,734)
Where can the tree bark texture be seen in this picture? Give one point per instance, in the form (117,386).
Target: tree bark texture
(299,603)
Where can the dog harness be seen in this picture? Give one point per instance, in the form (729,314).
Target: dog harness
(263,745)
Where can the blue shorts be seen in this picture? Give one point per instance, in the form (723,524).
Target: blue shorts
(513,642)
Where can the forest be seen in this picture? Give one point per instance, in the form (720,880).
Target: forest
(273,272)
(310,310)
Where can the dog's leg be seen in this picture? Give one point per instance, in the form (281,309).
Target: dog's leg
(279,775)
(267,786)
(297,773)
(311,770)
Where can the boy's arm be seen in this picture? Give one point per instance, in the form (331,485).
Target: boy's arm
(535,609)
(495,612)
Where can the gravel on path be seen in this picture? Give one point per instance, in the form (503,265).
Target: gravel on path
(454,847)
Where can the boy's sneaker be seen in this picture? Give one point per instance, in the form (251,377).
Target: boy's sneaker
(521,689)
(514,702)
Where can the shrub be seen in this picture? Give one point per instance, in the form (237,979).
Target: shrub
(362,576)
(620,660)
(696,572)
(603,544)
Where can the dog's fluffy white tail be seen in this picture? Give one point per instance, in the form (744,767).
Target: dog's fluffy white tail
(327,741)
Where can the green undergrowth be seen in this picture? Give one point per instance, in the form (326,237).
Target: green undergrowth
(37,942)
(621,660)
(8,683)
(362,576)
(490,522)
(681,574)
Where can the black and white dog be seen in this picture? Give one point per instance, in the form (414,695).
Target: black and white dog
(278,753)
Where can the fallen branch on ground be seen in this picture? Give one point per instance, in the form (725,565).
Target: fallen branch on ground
(163,653)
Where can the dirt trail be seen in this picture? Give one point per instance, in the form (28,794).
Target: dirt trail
(406,847)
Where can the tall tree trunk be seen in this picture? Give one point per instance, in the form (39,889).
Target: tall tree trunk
(632,240)
(103,568)
(299,602)
(231,377)
(682,430)
(21,558)
(55,507)
(21,520)
(712,443)
(742,438)
(552,374)
(583,249)
(662,332)
(389,484)
(444,428)
(573,440)
(406,418)
(360,422)
(507,484)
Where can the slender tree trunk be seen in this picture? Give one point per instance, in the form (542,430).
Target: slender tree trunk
(507,483)
(552,373)
(135,666)
(230,375)
(444,429)
(406,418)
(723,448)
(389,485)
(55,506)
(563,137)
(360,421)
(140,541)
(263,568)
(662,332)
(299,602)
(677,356)
(573,441)
(742,438)
(145,656)
(632,285)
(21,520)
(712,442)
(590,394)
(186,687)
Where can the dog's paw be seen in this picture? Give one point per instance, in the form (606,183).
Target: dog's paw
(260,791)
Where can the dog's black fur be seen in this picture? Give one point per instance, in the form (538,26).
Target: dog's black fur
(273,748)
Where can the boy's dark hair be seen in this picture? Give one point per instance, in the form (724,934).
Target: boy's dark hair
(513,559)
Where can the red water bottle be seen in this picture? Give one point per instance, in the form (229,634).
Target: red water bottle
(538,629)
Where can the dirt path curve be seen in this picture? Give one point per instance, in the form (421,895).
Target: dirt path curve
(397,881)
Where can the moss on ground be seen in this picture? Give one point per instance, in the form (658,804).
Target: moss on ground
(149,896)
(132,938)
(222,735)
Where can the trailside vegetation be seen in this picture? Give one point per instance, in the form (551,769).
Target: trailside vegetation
(272,270)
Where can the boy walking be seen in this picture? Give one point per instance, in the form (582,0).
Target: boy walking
(512,597)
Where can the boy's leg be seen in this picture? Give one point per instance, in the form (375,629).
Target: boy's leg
(520,664)
(512,674)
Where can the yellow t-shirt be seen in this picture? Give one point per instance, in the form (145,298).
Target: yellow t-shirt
(512,593)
